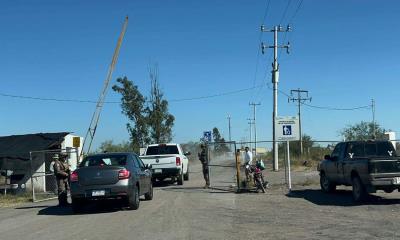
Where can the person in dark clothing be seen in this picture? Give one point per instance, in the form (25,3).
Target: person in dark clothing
(203,157)
(61,171)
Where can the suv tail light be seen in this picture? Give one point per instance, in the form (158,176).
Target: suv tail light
(74,176)
(124,174)
(178,161)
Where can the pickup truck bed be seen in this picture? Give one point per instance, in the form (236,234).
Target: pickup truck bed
(167,161)
(367,166)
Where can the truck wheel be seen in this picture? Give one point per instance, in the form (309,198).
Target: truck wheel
(186,176)
(133,201)
(149,194)
(326,185)
(180,178)
(359,192)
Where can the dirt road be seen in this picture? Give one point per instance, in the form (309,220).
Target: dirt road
(190,212)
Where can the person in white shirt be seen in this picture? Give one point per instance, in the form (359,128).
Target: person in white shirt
(248,156)
(248,160)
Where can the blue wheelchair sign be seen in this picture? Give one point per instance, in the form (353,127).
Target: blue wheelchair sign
(207,136)
(287,130)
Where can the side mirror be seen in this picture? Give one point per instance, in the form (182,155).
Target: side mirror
(327,157)
(187,153)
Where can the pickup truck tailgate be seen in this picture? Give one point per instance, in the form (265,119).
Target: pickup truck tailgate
(160,161)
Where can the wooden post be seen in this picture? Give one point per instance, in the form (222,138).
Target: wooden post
(238,169)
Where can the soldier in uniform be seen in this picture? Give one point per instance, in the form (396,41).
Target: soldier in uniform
(61,171)
(203,157)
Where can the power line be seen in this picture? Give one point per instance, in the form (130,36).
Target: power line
(290,22)
(324,107)
(259,41)
(285,11)
(296,11)
(214,95)
(117,102)
(337,109)
(50,99)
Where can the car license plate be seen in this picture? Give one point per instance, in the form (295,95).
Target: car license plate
(396,180)
(157,170)
(96,193)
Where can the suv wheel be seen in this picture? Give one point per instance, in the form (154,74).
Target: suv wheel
(180,178)
(359,192)
(326,185)
(149,194)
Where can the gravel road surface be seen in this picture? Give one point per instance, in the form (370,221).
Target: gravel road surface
(191,212)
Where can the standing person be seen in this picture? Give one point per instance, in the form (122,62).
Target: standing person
(248,156)
(203,157)
(61,171)
(248,159)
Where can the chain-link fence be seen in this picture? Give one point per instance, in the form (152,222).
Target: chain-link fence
(223,166)
(43,181)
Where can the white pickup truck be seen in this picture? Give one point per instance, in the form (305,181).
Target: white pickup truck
(167,161)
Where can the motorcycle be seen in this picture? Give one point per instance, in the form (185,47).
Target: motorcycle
(258,178)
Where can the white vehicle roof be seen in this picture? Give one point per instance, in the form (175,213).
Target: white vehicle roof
(168,144)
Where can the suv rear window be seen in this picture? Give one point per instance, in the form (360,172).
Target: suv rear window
(104,160)
(162,149)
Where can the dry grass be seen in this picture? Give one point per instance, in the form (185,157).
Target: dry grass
(10,200)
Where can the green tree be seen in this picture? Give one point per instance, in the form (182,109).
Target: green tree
(109,146)
(133,106)
(308,143)
(220,145)
(160,121)
(363,131)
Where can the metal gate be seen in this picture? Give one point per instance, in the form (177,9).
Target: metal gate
(223,166)
(43,181)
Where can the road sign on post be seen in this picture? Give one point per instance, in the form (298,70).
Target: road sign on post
(287,128)
(207,136)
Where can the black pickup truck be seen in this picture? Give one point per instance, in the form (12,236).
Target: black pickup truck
(367,166)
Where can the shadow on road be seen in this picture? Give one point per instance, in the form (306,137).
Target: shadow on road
(215,189)
(338,198)
(89,208)
(30,207)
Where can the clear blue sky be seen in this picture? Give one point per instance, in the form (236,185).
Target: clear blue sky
(343,52)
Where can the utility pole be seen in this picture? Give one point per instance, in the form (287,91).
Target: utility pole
(275,80)
(229,127)
(255,129)
(87,142)
(250,123)
(300,100)
(373,118)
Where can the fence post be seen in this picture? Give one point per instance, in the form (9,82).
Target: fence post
(33,188)
(288,163)
(237,154)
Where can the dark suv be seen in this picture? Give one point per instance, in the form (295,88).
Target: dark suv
(367,166)
(111,176)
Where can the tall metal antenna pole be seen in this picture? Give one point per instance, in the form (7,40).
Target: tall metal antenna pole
(229,127)
(300,100)
(250,123)
(275,80)
(100,102)
(255,128)
(373,118)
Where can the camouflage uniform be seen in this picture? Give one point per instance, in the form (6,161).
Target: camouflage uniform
(203,157)
(61,171)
